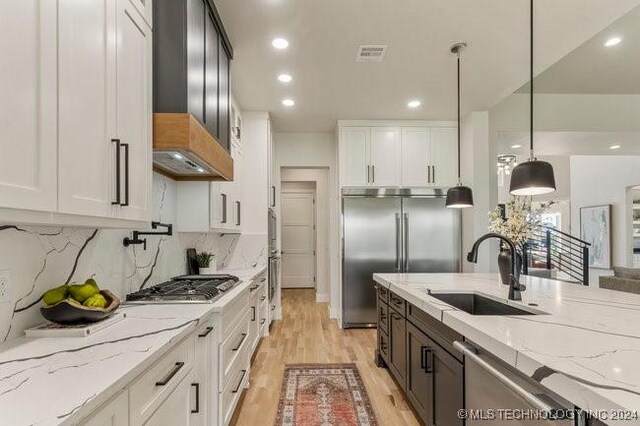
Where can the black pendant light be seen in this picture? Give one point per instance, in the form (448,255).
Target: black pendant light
(460,196)
(533,177)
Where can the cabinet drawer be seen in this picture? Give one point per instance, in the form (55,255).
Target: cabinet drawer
(239,377)
(383,293)
(383,317)
(149,391)
(233,346)
(397,303)
(436,330)
(232,313)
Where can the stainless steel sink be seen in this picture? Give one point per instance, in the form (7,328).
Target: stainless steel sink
(476,304)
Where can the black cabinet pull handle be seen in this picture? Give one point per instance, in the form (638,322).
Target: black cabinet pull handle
(244,372)
(373,174)
(262,321)
(126,175)
(253,313)
(224,208)
(206,332)
(238,220)
(172,373)
(244,336)
(262,298)
(197,386)
(273,202)
(252,289)
(118,200)
(424,359)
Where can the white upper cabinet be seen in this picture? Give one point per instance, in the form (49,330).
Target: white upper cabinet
(86,112)
(394,154)
(444,151)
(384,156)
(81,77)
(416,156)
(133,109)
(28,108)
(354,161)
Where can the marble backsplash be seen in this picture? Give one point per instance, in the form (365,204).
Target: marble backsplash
(39,258)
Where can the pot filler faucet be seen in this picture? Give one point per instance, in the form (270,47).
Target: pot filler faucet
(515,288)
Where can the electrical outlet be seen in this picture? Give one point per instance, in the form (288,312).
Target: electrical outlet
(5,282)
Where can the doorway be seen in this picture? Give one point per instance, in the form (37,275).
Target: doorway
(298,235)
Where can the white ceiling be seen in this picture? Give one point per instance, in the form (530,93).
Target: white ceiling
(593,68)
(570,143)
(329,85)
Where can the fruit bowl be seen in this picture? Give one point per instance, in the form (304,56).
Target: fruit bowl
(67,312)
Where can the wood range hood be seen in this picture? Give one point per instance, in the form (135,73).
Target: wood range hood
(184,150)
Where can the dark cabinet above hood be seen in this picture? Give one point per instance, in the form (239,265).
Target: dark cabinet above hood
(191,91)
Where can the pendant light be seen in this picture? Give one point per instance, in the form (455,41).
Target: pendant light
(460,196)
(533,177)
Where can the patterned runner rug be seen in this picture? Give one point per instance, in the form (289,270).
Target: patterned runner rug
(324,395)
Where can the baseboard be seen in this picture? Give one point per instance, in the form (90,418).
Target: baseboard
(322,298)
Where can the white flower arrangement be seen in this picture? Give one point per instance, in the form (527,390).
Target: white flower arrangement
(521,221)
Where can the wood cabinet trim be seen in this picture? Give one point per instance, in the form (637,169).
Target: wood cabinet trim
(183,132)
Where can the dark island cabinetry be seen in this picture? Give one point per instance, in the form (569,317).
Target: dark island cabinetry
(419,353)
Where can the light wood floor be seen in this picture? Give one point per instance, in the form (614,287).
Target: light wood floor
(307,335)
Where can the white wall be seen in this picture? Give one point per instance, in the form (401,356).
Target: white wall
(568,113)
(316,150)
(597,180)
(478,172)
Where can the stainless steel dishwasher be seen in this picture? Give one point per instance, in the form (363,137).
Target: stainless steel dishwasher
(497,394)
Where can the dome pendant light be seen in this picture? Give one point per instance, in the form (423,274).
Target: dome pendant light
(533,177)
(460,196)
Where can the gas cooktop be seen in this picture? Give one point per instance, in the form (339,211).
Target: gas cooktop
(187,288)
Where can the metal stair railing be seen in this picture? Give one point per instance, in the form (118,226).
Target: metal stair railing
(558,250)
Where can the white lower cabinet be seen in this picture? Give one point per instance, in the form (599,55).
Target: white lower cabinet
(113,413)
(150,391)
(176,409)
(199,381)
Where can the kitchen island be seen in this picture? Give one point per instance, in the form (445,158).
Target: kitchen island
(581,343)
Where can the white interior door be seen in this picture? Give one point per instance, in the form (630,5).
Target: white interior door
(298,241)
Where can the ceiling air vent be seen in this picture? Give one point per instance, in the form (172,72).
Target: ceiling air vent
(371,53)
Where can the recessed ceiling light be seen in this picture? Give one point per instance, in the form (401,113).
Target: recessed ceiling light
(177,156)
(280,43)
(614,147)
(200,169)
(516,146)
(285,78)
(288,102)
(414,104)
(612,41)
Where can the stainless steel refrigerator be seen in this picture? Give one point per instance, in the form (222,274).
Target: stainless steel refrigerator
(389,231)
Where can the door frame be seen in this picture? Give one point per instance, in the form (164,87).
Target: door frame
(306,190)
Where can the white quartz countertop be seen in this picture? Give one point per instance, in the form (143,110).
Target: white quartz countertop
(53,381)
(585,347)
